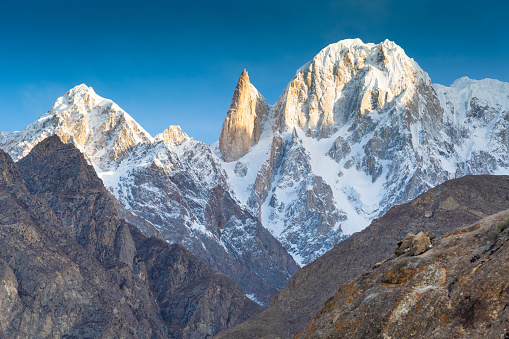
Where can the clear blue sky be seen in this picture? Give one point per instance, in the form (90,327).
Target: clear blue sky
(177,62)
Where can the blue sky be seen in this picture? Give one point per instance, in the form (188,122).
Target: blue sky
(177,62)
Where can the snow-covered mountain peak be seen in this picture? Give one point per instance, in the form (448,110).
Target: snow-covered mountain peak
(172,136)
(345,80)
(97,126)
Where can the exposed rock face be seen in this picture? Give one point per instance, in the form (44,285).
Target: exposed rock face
(243,124)
(54,286)
(456,289)
(88,273)
(464,200)
(59,174)
(170,185)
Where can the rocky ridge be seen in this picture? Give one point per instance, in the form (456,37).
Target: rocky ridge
(87,273)
(464,200)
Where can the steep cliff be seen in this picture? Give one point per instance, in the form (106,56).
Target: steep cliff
(243,124)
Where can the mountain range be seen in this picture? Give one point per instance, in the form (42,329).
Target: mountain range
(359,129)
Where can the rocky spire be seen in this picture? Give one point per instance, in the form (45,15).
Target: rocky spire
(243,123)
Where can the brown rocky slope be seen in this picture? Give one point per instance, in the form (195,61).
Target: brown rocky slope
(457,289)
(464,200)
(70,267)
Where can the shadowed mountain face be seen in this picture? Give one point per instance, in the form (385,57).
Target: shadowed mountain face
(457,289)
(442,209)
(70,267)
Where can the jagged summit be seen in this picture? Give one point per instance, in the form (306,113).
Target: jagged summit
(243,124)
(346,79)
(173,135)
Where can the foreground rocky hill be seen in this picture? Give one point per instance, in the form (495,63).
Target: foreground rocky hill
(457,289)
(454,204)
(70,267)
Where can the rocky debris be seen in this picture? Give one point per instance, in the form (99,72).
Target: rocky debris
(414,244)
(61,281)
(314,284)
(243,124)
(456,289)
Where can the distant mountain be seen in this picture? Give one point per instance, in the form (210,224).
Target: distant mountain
(441,210)
(70,267)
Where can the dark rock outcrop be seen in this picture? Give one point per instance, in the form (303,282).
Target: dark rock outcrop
(69,266)
(464,200)
(457,289)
